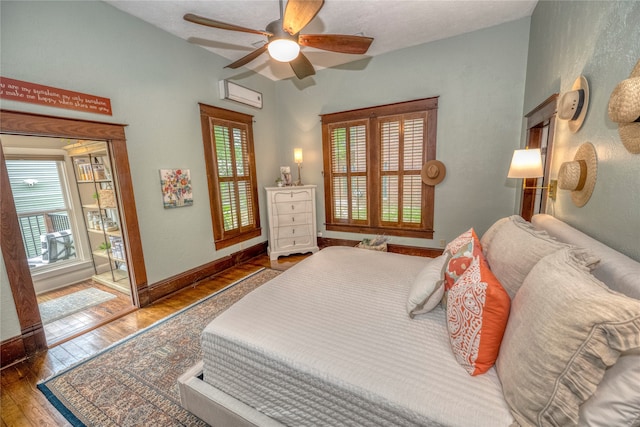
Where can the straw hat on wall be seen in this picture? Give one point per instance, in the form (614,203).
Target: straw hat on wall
(433,172)
(624,109)
(573,105)
(580,175)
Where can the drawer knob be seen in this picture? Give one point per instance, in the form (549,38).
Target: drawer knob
(293,219)
(293,231)
(292,207)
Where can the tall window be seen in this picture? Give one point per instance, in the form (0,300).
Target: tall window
(372,163)
(41,198)
(231,174)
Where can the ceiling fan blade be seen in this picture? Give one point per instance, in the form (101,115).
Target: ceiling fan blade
(299,13)
(222,25)
(248,58)
(302,67)
(336,42)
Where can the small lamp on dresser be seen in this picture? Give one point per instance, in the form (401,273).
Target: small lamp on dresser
(297,157)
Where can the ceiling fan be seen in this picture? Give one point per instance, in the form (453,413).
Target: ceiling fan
(284,38)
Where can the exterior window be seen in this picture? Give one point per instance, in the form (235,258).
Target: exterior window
(40,195)
(372,160)
(231,174)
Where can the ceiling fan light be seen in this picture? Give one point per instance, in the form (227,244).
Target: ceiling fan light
(283,50)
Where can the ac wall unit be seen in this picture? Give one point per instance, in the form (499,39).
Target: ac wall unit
(235,92)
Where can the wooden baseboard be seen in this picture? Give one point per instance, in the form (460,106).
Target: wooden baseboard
(12,351)
(324,242)
(173,284)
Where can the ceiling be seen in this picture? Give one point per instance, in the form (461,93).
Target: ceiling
(394,24)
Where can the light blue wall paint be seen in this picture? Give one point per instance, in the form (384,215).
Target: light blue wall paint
(601,40)
(9,322)
(155,81)
(479,78)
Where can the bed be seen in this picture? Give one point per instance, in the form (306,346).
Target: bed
(328,342)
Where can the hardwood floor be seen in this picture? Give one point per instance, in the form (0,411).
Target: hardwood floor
(24,405)
(90,318)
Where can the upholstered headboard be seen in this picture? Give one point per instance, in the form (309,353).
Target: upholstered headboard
(618,271)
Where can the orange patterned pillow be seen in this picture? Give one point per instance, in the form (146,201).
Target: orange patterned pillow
(477,314)
(463,249)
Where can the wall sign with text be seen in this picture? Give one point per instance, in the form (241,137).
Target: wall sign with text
(17,90)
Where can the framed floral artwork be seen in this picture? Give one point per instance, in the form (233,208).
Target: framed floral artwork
(176,188)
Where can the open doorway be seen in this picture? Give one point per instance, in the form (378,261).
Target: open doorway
(72,239)
(541,122)
(32,338)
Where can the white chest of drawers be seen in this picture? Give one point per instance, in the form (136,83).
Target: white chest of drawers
(292,220)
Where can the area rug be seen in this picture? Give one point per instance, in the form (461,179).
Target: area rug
(67,305)
(134,382)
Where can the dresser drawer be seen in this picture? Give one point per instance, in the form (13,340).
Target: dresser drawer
(300,231)
(286,196)
(292,207)
(294,242)
(292,219)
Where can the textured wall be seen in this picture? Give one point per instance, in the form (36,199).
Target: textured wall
(600,40)
(155,81)
(9,323)
(479,78)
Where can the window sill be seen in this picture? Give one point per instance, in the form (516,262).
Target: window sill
(424,234)
(221,244)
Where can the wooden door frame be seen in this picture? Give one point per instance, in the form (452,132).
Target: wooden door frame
(19,123)
(543,115)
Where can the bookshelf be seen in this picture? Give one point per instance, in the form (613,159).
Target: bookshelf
(92,169)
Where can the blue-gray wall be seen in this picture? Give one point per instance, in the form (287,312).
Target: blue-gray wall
(479,78)
(601,40)
(155,81)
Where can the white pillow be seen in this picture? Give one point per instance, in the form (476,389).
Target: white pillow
(616,401)
(565,329)
(488,235)
(428,287)
(514,246)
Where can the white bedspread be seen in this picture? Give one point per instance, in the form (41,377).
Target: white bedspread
(329,342)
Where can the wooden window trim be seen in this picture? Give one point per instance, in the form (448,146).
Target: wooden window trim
(348,174)
(209,115)
(373,116)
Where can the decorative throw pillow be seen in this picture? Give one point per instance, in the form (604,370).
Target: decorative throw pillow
(566,328)
(428,287)
(462,249)
(515,247)
(477,314)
